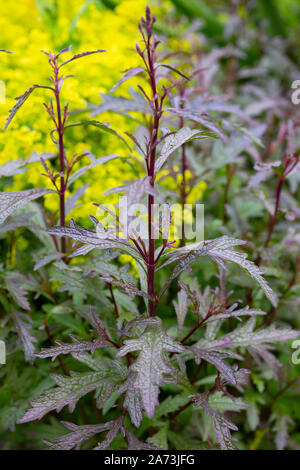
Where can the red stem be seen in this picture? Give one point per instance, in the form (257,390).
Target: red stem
(276,210)
(151,261)
(198,325)
(113,300)
(183,171)
(60,130)
(151,167)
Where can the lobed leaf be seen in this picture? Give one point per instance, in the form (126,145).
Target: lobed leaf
(70,389)
(115,427)
(78,435)
(67,348)
(47,259)
(100,239)
(245,336)
(14,283)
(217,359)
(132,401)
(222,426)
(152,363)
(204,122)
(218,250)
(22,324)
(181,309)
(174,141)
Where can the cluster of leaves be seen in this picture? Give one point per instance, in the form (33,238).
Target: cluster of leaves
(128,360)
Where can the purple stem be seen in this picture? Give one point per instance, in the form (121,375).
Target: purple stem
(60,130)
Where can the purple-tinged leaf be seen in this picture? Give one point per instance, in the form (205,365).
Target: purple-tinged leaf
(203,121)
(22,324)
(173,69)
(14,283)
(222,429)
(121,105)
(135,191)
(19,221)
(240,141)
(103,126)
(67,348)
(115,427)
(249,266)
(259,352)
(235,314)
(69,390)
(94,162)
(181,309)
(11,201)
(217,359)
(129,74)
(127,287)
(82,54)
(200,301)
(245,336)
(135,444)
(151,364)
(257,107)
(174,141)
(14,167)
(72,200)
(137,326)
(20,101)
(185,256)
(204,105)
(209,63)
(132,401)
(219,250)
(47,259)
(37,157)
(64,50)
(78,435)
(221,425)
(264,171)
(100,239)
(282,432)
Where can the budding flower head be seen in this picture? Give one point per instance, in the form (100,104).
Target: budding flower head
(148,14)
(150,20)
(138,49)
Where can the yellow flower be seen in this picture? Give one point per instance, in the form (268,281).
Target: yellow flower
(26,31)
(196,193)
